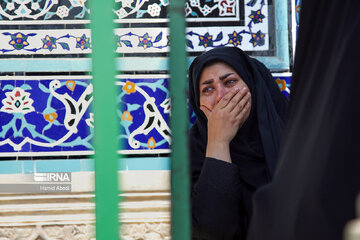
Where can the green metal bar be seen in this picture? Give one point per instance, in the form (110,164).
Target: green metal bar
(106,125)
(180,198)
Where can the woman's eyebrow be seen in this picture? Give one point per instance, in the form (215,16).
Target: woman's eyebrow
(225,76)
(221,78)
(207,81)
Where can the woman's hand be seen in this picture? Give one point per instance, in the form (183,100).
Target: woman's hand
(224,120)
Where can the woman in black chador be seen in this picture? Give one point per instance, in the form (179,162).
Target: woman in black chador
(235,140)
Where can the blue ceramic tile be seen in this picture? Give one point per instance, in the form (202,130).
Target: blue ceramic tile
(87,165)
(45,115)
(284,82)
(159,163)
(122,164)
(41,10)
(144,115)
(45,65)
(11,167)
(28,167)
(65,165)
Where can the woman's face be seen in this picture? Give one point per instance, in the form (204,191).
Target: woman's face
(215,81)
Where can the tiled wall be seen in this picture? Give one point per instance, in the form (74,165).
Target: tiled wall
(46,113)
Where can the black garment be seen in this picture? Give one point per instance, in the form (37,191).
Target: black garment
(221,192)
(313,192)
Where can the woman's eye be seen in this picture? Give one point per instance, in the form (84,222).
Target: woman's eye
(230,82)
(206,89)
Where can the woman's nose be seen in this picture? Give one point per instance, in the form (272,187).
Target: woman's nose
(221,91)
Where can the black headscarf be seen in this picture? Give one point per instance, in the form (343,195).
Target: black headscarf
(255,147)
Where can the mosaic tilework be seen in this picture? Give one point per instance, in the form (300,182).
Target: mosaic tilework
(45,41)
(55,10)
(136,40)
(142,40)
(284,81)
(145,113)
(45,114)
(28,28)
(195,10)
(248,30)
(52,115)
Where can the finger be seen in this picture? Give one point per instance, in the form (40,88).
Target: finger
(240,98)
(226,99)
(238,108)
(244,113)
(205,110)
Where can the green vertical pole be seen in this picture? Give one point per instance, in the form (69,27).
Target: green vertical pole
(106,125)
(180,198)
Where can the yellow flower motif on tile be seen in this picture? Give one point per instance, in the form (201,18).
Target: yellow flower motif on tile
(50,117)
(49,43)
(281,83)
(18,41)
(151,143)
(126,116)
(129,87)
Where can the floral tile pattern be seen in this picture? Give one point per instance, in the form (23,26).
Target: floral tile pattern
(144,109)
(211,23)
(55,10)
(248,30)
(53,115)
(45,114)
(45,41)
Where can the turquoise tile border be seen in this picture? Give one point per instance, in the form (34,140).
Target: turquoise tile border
(81,165)
(45,65)
(11,167)
(65,165)
(87,165)
(146,164)
(28,167)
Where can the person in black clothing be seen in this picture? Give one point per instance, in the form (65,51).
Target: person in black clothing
(235,140)
(317,180)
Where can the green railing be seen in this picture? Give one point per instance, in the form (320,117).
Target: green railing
(180,198)
(106,126)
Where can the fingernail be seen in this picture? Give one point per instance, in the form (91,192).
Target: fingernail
(244,89)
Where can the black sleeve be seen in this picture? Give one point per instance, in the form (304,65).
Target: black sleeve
(216,202)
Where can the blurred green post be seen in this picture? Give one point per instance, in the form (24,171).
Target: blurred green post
(106,124)
(180,197)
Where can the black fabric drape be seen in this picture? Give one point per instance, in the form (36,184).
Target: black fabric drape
(317,179)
